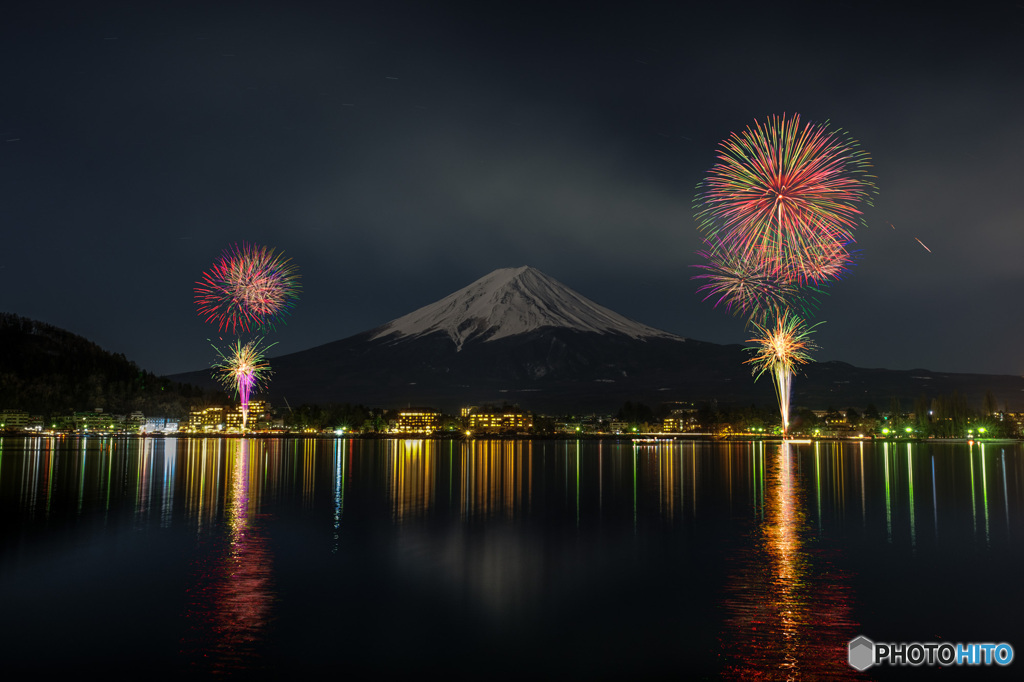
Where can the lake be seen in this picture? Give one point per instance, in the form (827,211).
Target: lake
(502,558)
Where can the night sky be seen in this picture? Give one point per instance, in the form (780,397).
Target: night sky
(398,151)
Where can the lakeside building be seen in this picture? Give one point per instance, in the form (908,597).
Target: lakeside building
(19,420)
(13,420)
(419,421)
(134,422)
(206,420)
(575,428)
(259,415)
(1013,420)
(500,421)
(98,421)
(220,419)
(681,422)
(88,421)
(159,425)
(618,426)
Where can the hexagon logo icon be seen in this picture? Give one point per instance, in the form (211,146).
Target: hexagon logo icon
(862,653)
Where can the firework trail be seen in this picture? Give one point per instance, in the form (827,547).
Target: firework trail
(781,348)
(248,287)
(781,193)
(243,369)
(777,211)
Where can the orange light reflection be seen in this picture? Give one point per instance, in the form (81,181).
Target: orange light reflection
(788,614)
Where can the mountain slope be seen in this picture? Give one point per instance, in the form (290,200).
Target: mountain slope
(49,370)
(509,302)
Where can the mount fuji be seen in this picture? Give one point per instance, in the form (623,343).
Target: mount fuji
(510,302)
(517,335)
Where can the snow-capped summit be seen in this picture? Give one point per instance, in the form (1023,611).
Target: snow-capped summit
(513,301)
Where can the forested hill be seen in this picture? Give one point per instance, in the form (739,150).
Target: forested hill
(47,370)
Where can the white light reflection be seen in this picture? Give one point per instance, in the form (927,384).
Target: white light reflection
(340,455)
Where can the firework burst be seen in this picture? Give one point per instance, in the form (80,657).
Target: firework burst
(782,194)
(248,287)
(778,211)
(243,369)
(746,288)
(780,348)
(826,264)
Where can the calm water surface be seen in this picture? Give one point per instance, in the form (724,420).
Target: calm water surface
(502,558)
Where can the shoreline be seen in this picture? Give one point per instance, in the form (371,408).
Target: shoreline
(636,439)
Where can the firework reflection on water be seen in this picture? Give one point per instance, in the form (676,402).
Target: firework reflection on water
(788,611)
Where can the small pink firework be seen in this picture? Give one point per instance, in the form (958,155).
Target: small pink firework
(242,369)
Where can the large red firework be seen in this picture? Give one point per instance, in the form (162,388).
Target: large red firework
(786,196)
(248,287)
(778,211)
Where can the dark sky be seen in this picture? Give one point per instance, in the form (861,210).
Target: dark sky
(398,151)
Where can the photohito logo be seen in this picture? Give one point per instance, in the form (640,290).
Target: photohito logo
(864,653)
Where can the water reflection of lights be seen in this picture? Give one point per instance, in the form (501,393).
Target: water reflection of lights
(984,486)
(481,477)
(910,490)
(788,616)
(780,603)
(341,453)
(168,481)
(170,451)
(309,450)
(496,477)
(502,570)
(888,494)
(412,467)
(1006,496)
(232,600)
